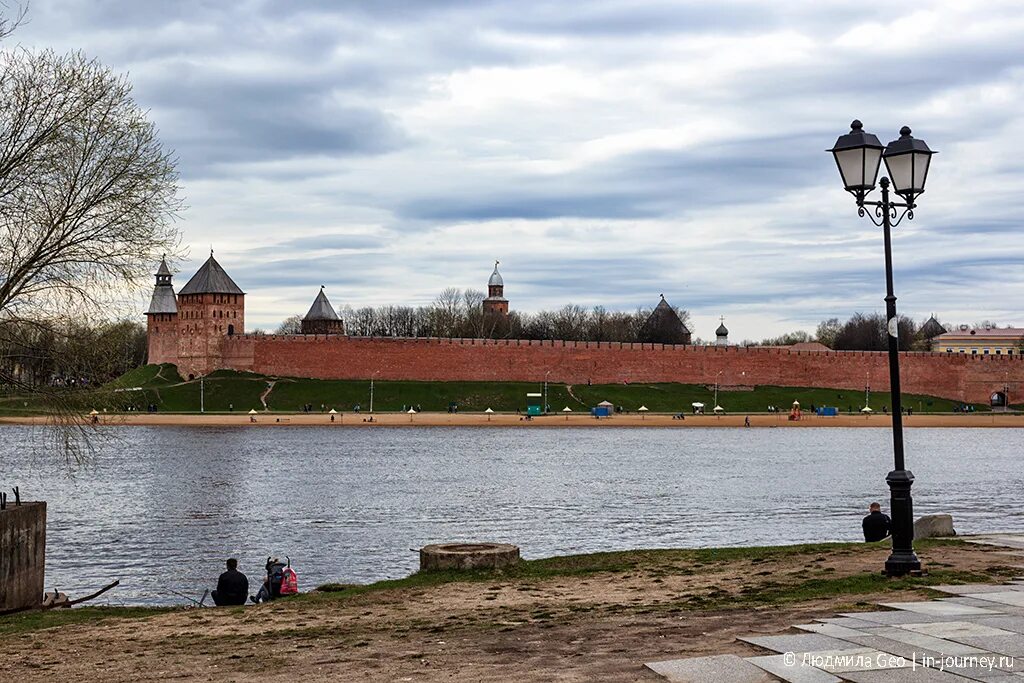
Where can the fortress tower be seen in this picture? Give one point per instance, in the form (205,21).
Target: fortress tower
(162,319)
(322,318)
(663,326)
(210,307)
(496,301)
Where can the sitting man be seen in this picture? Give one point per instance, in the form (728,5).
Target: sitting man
(877,526)
(232,586)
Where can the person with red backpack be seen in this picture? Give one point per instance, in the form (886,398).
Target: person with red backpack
(281,581)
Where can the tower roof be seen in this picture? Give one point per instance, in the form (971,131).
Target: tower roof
(932,328)
(163,299)
(211,279)
(495,280)
(722,330)
(663,326)
(321,308)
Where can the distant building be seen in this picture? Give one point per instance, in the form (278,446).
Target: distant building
(663,326)
(496,301)
(322,318)
(995,341)
(722,334)
(932,328)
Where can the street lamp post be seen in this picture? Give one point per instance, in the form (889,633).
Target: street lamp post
(546,392)
(858,156)
(371,389)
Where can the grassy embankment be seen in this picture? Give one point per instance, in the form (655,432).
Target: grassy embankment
(772,577)
(162,385)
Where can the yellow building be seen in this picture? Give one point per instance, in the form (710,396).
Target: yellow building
(995,341)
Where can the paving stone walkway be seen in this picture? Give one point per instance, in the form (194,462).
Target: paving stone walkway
(975,634)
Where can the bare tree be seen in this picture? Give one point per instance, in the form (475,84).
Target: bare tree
(290,325)
(11,18)
(87,192)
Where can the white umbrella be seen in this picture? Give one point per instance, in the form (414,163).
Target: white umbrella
(411,411)
(94,412)
(865,409)
(567,410)
(796,403)
(697,404)
(642,409)
(332,411)
(488,411)
(252,411)
(719,409)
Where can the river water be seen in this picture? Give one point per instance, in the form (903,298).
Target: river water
(160,508)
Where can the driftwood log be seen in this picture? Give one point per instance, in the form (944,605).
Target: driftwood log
(57,603)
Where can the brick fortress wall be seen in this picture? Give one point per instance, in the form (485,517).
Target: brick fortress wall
(958,377)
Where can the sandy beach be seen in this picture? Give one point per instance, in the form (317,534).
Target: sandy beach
(425,419)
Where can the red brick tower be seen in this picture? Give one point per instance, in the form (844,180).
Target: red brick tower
(211,307)
(162,319)
(322,318)
(496,301)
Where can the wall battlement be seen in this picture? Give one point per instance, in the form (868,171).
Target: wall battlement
(957,377)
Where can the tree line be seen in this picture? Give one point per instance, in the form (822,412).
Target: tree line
(458,313)
(865,332)
(73,355)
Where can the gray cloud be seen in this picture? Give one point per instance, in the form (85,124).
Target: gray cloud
(606,151)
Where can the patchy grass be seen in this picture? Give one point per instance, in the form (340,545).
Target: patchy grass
(24,622)
(668,561)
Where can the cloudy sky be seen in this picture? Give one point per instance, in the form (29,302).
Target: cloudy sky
(606,151)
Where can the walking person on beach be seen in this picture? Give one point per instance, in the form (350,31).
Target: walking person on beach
(232,586)
(876,525)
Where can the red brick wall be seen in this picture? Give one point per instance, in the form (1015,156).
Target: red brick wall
(960,377)
(162,338)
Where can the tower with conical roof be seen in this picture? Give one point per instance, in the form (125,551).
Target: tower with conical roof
(322,318)
(722,333)
(496,302)
(663,326)
(211,307)
(162,319)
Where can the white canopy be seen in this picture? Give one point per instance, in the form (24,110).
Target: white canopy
(605,404)
(94,412)
(697,404)
(488,411)
(866,409)
(642,409)
(719,409)
(567,409)
(252,412)
(796,403)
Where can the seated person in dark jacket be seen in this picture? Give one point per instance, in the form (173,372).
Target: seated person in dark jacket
(876,525)
(232,586)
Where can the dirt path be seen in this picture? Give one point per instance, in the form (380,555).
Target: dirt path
(568,389)
(584,627)
(266,393)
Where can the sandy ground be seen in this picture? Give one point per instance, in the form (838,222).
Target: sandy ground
(508,420)
(590,627)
